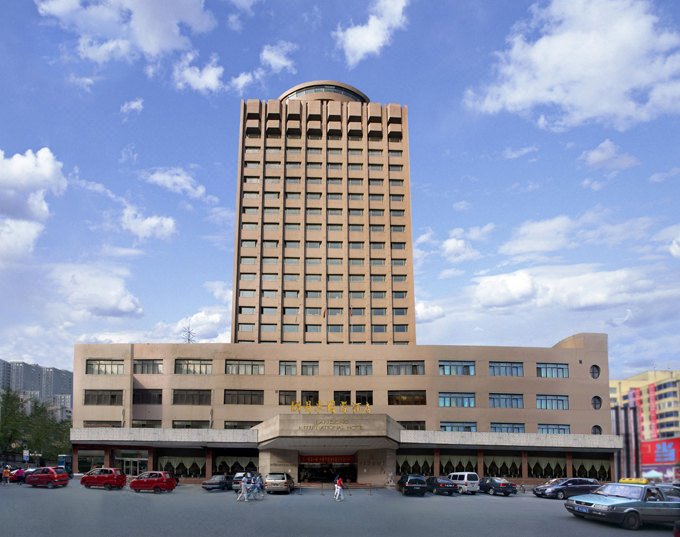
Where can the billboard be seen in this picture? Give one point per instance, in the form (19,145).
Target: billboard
(664,452)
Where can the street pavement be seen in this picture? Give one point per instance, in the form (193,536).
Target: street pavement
(191,511)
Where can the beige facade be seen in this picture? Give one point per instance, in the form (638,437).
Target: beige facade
(323,250)
(323,255)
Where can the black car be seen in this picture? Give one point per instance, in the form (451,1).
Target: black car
(441,485)
(565,487)
(412,484)
(497,485)
(218,482)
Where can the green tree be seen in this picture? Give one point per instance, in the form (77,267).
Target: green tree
(12,422)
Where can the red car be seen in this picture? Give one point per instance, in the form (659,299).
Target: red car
(47,477)
(109,478)
(156,481)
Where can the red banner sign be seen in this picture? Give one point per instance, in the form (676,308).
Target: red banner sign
(658,452)
(327,459)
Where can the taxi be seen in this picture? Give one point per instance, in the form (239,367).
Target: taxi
(628,504)
(156,481)
(109,478)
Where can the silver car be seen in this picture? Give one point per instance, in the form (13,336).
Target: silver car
(279,482)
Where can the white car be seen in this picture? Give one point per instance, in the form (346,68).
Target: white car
(468,482)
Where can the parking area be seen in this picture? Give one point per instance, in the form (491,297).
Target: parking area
(189,509)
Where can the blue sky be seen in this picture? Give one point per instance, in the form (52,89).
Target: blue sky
(545,163)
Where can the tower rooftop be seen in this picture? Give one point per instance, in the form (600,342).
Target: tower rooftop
(324,90)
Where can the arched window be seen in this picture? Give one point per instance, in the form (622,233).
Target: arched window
(596,402)
(595,371)
(596,429)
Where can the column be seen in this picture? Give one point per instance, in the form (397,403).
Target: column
(525,465)
(208,463)
(570,464)
(74,461)
(107,457)
(480,461)
(151,462)
(435,470)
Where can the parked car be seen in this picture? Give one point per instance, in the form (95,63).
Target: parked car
(156,481)
(565,487)
(236,482)
(47,477)
(109,478)
(497,485)
(412,484)
(218,482)
(628,504)
(279,482)
(467,482)
(441,485)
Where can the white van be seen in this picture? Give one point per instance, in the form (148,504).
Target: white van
(467,482)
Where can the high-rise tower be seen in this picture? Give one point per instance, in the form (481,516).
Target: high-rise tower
(323,250)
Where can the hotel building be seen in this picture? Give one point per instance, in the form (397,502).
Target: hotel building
(324,374)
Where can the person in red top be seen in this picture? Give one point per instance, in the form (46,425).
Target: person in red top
(338,489)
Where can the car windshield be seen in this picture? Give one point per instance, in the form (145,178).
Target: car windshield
(276,477)
(621,491)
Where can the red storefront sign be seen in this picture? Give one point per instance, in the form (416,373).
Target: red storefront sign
(653,422)
(658,452)
(327,459)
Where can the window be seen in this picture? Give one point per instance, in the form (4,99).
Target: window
(375,197)
(375,182)
(396,183)
(147,397)
(288,328)
(379,328)
(552,428)
(357,328)
(291,244)
(249,210)
(312,294)
(355,197)
(376,212)
(356,261)
(193,366)
(341,369)
(506,400)
(377,228)
(398,294)
(243,397)
(378,312)
(507,428)
(289,293)
(595,371)
(248,260)
(405,367)
(397,229)
(596,402)
(313,227)
(313,211)
(245,327)
(406,397)
(240,424)
(103,397)
(292,211)
(287,368)
(506,369)
(287,397)
(334,196)
(356,294)
(394,153)
(314,261)
(309,396)
(377,246)
(458,426)
(355,182)
(191,397)
(397,212)
(396,167)
(356,245)
(377,295)
(267,328)
(356,312)
(375,152)
(334,227)
(364,397)
(547,370)
(376,278)
(270,244)
(552,402)
(396,197)
(99,366)
(310,368)
(147,424)
(147,367)
(596,429)
(356,212)
(357,278)
(456,399)
(244,367)
(247,276)
(456,368)
(413,425)
(311,328)
(340,397)
(334,311)
(375,167)
(271,210)
(190,424)
(290,277)
(334,245)
(334,277)
(399,312)
(248,225)
(313,195)
(364,369)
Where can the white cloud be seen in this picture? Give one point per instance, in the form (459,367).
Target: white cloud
(135,105)
(220,290)
(244,5)
(660,177)
(504,290)
(675,248)
(234,22)
(124,29)
(83,82)
(242,81)
(510,154)
(159,227)
(462,206)
(458,250)
(25,180)
(427,312)
(450,273)
(92,290)
(118,251)
(275,57)
(541,236)
(477,233)
(357,42)
(592,184)
(17,239)
(559,66)
(179,181)
(607,156)
(205,80)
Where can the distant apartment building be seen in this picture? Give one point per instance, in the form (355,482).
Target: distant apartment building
(5,375)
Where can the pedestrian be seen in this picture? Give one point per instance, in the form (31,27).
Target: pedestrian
(19,476)
(244,489)
(338,489)
(5,475)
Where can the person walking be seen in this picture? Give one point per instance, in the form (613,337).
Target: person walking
(19,475)
(5,475)
(339,496)
(243,495)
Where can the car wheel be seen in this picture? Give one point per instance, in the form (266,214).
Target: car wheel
(87,486)
(50,485)
(492,491)
(577,515)
(450,493)
(473,493)
(136,490)
(631,521)
(157,490)
(506,494)
(108,486)
(560,495)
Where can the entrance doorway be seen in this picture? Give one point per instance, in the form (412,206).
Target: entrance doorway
(133,467)
(324,468)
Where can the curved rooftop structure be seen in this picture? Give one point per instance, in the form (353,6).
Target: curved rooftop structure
(324,90)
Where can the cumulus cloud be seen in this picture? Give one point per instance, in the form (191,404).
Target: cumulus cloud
(135,105)
(675,248)
(179,181)
(17,239)
(240,82)
(427,312)
(607,156)
(83,82)
(592,184)
(205,80)
(458,250)
(511,154)
(541,236)
(125,29)
(275,57)
(462,206)
(93,290)
(220,290)
(660,177)
(158,227)
(558,66)
(358,42)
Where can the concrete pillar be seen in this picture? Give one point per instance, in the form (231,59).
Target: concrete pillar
(436,470)
(525,465)
(208,463)
(570,465)
(480,461)
(108,459)
(151,462)
(74,461)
